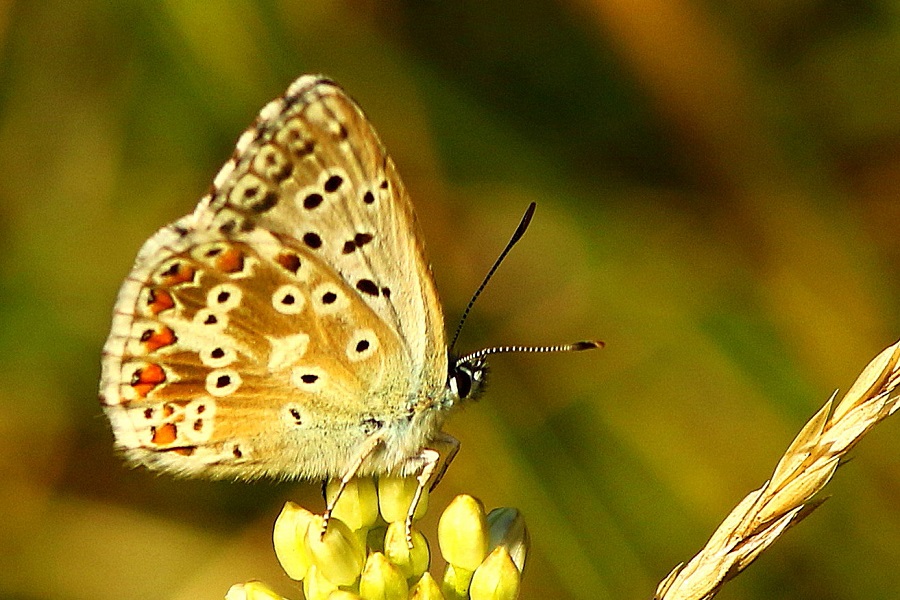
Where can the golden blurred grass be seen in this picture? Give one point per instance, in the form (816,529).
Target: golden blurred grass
(717,199)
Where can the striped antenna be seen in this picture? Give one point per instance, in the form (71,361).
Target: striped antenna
(576,347)
(516,236)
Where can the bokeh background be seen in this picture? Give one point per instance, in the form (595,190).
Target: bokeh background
(717,188)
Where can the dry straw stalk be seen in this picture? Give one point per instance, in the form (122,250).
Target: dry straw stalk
(807,465)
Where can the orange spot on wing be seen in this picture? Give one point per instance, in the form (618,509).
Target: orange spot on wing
(178,273)
(160,339)
(143,389)
(164,434)
(159,300)
(230,261)
(289,261)
(147,378)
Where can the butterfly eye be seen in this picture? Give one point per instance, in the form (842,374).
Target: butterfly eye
(467,379)
(461,384)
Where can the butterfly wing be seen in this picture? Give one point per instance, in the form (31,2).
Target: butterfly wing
(313,168)
(287,319)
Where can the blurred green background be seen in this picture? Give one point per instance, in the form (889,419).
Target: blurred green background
(717,188)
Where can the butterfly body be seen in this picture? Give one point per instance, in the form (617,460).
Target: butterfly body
(289,327)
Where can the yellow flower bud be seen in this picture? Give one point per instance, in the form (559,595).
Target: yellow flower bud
(411,562)
(382,580)
(463,533)
(358,505)
(316,586)
(395,494)
(455,585)
(343,595)
(426,589)
(338,555)
(252,590)
(497,578)
(289,536)
(507,529)
(334,566)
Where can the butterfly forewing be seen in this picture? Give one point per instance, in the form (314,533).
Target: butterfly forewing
(293,313)
(344,200)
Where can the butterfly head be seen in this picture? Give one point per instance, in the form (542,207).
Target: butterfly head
(466,377)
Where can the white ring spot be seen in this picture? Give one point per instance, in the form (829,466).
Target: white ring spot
(199,419)
(295,137)
(250,192)
(222,382)
(272,163)
(289,300)
(208,252)
(200,407)
(218,356)
(224,297)
(329,298)
(211,320)
(362,345)
(308,379)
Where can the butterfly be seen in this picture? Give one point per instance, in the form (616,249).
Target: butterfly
(290,326)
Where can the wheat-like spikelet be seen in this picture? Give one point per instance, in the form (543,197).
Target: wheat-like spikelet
(786,498)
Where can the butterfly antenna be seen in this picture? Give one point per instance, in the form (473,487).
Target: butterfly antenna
(576,347)
(516,236)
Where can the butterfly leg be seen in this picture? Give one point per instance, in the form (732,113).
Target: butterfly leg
(366,450)
(432,464)
(450,447)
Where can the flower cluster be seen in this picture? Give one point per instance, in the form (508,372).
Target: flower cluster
(365,552)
